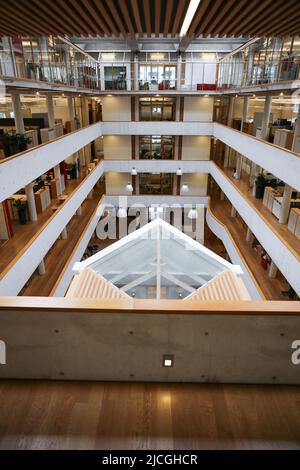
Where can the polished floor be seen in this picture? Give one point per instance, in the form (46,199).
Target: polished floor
(95,415)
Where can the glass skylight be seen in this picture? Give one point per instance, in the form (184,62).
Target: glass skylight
(157,261)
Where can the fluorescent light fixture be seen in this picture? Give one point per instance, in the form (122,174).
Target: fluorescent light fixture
(184,188)
(193,214)
(122,213)
(133,172)
(179,172)
(189,16)
(168,360)
(129,187)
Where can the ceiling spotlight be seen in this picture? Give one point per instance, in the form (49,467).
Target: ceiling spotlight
(129,187)
(122,213)
(133,172)
(37,93)
(179,172)
(281,94)
(193,214)
(184,188)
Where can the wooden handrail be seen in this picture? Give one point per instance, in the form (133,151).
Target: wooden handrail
(236,248)
(52,217)
(75,248)
(150,307)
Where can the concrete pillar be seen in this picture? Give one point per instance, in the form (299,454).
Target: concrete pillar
(50,110)
(71,111)
(31,202)
(16,105)
(85,122)
(136,73)
(57,175)
(178,86)
(64,234)
(41,268)
(296,130)
(266,117)
(249,236)
(79,211)
(272,270)
(285,205)
(229,123)
(238,166)
(233,212)
(245,111)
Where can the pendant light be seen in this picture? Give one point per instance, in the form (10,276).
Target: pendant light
(184,188)
(193,214)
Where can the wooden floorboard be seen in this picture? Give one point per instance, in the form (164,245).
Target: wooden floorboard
(24,233)
(96,415)
(280,229)
(272,288)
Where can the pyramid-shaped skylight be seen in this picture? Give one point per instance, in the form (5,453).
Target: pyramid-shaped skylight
(157,261)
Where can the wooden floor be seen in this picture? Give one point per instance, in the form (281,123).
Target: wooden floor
(95,415)
(24,233)
(59,253)
(280,229)
(272,288)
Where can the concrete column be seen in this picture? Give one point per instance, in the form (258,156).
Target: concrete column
(41,268)
(233,212)
(179,73)
(238,166)
(71,111)
(64,234)
(266,117)
(16,105)
(85,122)
(79,211)
(31,202)
(296,130)
(50,110)
(136,73)
(137,185)
(272,270)
(229,123)
(285,205)
(249,236)
(245,111)
(57,175)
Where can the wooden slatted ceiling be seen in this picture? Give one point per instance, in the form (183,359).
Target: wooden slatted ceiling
(92,17)
(139,17)
(246,18)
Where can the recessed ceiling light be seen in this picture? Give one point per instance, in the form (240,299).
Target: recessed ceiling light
(189,16)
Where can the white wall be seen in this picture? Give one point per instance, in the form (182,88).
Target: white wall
(197,183)
(116,183)
(198,108)
(117,147)
(195,147)
(116,108)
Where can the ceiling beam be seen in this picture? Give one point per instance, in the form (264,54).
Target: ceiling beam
(137,16)
(106,16)
(126,16)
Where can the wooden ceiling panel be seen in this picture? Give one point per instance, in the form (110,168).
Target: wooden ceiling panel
(149,17)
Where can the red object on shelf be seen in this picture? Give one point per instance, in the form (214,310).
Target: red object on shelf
(160,86)
(206,86)
(264,262)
